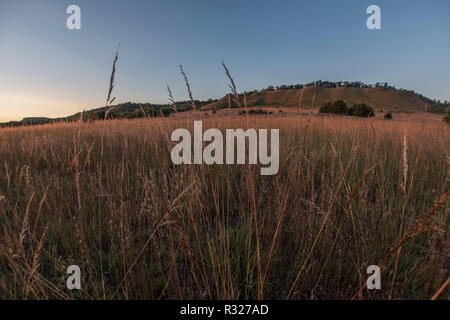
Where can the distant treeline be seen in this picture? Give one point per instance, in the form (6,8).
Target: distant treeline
(132,110)
(127,110)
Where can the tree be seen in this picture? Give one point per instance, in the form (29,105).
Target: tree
(388,116)
(327,107)
(338,107)
(447,117)
(362,110)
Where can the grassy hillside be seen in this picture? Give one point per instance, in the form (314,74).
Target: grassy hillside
(314,97)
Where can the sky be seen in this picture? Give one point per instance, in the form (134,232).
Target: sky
(48,70)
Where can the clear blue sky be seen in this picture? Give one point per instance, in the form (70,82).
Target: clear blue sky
(48,70)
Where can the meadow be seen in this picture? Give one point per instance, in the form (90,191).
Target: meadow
(105,196)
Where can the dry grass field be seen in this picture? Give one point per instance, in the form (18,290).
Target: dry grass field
(105,195)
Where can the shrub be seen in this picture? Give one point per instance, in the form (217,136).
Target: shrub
(388,116)
(338,107)
(258,111)
(362,110)
(351,110)
(327,107)
(447,117)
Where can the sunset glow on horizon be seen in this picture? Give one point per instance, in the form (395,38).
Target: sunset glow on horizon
(22,105)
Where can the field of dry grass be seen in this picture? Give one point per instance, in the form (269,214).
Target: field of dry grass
(105,196)
(418,117)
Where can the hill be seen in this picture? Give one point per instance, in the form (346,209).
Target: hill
(137,110)
(378,97)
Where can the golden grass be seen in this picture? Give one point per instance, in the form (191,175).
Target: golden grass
(105,196)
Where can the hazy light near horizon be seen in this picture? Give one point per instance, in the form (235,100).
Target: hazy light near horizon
(16,106)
